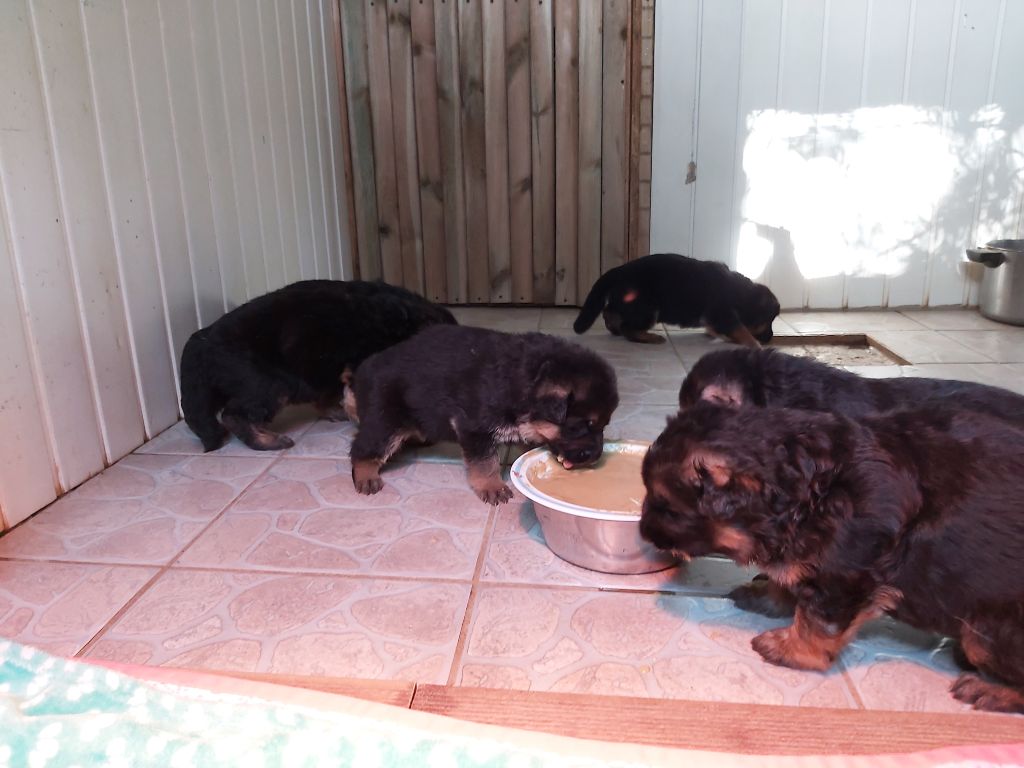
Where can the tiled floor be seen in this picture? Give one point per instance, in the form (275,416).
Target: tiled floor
(270,562)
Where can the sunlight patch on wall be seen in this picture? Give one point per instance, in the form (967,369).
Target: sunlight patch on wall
(857,193)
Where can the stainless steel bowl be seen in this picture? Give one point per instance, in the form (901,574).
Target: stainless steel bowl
(600,540)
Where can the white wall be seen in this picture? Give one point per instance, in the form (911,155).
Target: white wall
(160,163)
(847,151)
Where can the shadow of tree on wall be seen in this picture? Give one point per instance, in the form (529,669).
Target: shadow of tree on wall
(897,192)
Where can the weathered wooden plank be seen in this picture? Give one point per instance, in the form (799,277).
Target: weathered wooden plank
(471,79)
(590,149)
(614,134)
(566,23)
(406,163)
(361,148)
(542,106)
(428,150)
(383,140)
(449,121)
(496,147)
(520,163)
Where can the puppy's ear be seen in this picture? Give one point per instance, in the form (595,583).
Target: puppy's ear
(729,394)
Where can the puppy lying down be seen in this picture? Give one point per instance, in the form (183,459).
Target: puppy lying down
(768,377)
(480,388)
(914,513)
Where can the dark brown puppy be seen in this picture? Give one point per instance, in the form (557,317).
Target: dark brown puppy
(290,346)
(773,378)
(913,513)
(480,388)
(678,290)
(768,377)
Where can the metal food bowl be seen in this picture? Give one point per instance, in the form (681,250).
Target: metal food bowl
(596,539)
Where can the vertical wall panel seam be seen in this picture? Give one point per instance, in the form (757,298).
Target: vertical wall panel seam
(217,231)
(177,158)
(231,147)
(76,283)
(35,363)
(288,146)
(695,128)
(319,147)
(270,131)
(152,212)
(734,234)
(302,134)
(954,37)
(118,249)
(330,133)
(252,136)
(989,95)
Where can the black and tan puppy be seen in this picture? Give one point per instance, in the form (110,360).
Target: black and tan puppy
(916,514)
(287,347)
(480,388)
(678,290)
(766,377)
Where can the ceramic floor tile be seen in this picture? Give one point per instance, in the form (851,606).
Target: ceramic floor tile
(60,606)
(304,515)
(517,554)
(952,319)
(1002,346)
(896,667)
(143,510)
(508,319)
(691,345)
(849,322)
(291,624)
(640,422)
(634,644)
(558,318)
(927,347)
(179,439)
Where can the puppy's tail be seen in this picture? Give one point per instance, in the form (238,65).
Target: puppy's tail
(200,399)
(592,307)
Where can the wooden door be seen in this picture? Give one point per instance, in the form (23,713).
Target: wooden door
(495,145)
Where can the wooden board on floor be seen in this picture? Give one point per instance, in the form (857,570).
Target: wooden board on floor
(394,692)
(716,726)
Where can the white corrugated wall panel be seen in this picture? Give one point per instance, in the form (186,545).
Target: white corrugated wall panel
(847,151)
(160,162)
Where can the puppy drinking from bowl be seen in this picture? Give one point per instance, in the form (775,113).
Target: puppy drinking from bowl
(913,513)
(480,388)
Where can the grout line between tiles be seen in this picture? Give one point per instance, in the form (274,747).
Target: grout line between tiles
(485,544)
(851,685)
(167,566)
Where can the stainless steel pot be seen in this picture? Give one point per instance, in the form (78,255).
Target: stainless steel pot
(1002,285)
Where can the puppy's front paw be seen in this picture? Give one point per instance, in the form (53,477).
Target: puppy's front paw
(496,494)
(777,646)
(983,695)
(763,597)
(366,477)
(368,485)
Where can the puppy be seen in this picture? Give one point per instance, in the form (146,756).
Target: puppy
(766,377)
(480,388)
(913,513)
(678,290)
(290,346)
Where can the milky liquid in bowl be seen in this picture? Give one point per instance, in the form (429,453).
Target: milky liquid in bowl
(613,484)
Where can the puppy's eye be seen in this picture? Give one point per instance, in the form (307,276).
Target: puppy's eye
(591,423)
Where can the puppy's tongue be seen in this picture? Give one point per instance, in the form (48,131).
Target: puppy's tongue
(567,464)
